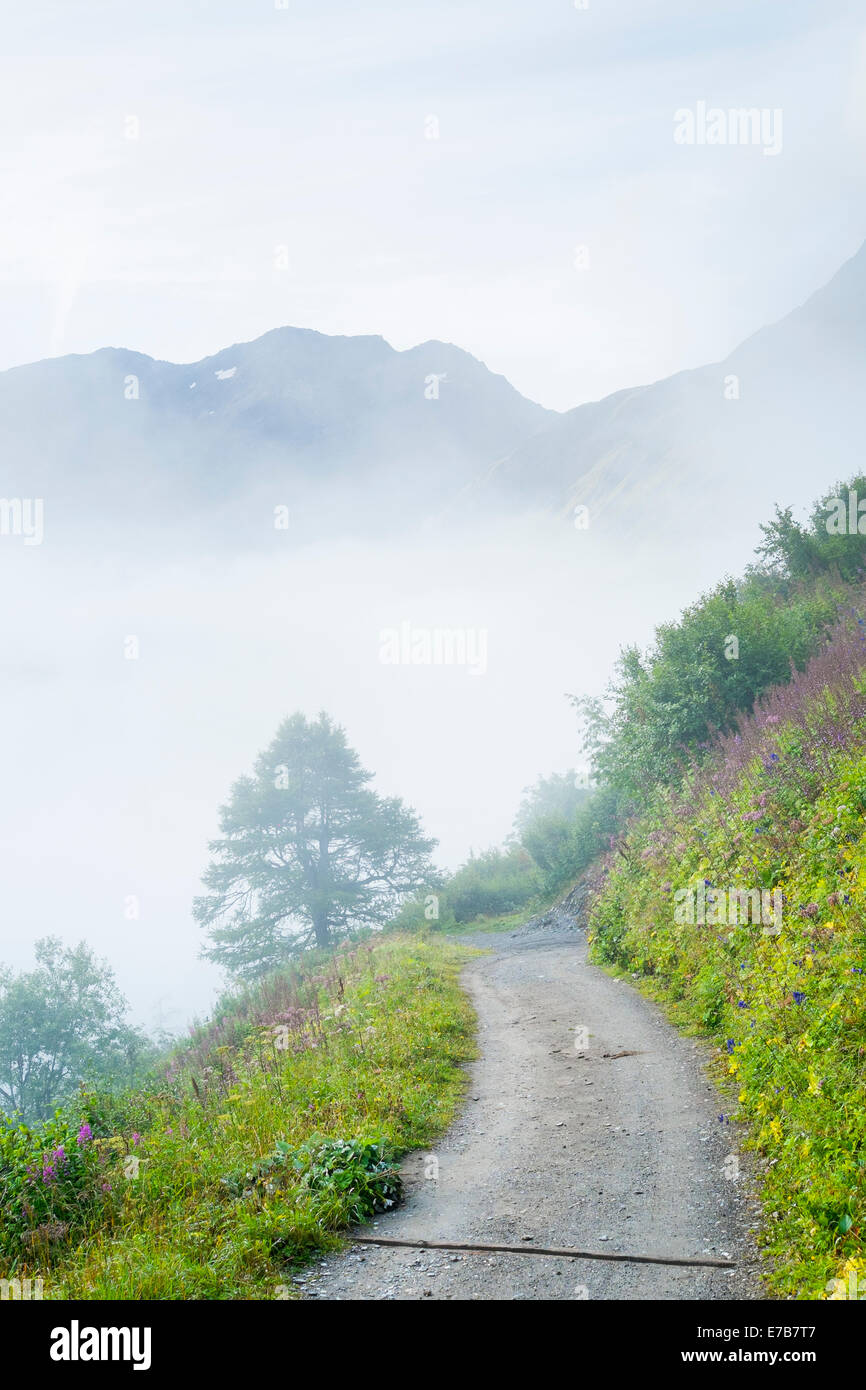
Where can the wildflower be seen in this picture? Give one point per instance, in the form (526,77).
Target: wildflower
(84,1134)
(106,1187)
(741,1004)
(135,1138)
(730,1044)
(798,997)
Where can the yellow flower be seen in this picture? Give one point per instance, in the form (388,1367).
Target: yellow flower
(814,1083)
(775,1128)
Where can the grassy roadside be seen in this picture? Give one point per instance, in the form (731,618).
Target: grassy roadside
(781,808)
(276,1126)
(491,925)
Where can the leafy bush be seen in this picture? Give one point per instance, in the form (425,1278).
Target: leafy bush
(702,672)
(359,1177)
(492,884)
(823,545)
(54,1180)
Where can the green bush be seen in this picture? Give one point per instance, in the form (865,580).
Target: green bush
(492,884)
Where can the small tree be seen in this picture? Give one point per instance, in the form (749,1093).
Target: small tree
(307,852)
(556,797)
(59,1023)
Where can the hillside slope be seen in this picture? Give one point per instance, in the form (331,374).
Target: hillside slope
(274,1126)
(691,451)
(779,809)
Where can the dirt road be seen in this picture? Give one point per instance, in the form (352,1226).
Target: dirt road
(560,1147)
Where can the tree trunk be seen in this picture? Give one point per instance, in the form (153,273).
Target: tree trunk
(320,927)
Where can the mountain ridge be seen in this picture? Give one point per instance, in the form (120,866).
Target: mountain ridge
(299,416)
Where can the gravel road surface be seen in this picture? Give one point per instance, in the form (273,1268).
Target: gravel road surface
(610,1142)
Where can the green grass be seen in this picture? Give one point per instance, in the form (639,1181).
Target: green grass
(490,924)
(260,1147)
(786,1011)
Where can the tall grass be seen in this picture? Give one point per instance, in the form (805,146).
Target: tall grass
(267,1132)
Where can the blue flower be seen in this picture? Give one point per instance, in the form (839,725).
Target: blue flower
(798,997)
(730,1044)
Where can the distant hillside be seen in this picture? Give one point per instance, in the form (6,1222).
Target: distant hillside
(784,412)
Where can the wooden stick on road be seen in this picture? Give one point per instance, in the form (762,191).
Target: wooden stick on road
(544,1250)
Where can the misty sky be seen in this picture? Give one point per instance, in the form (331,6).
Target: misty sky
(305,127)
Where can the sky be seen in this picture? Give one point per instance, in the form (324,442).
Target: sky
(179,176)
